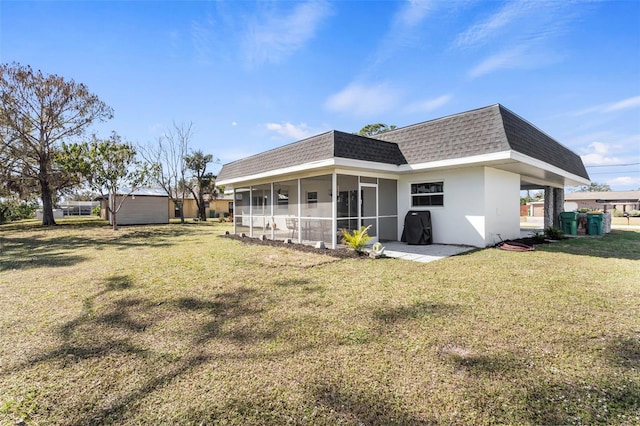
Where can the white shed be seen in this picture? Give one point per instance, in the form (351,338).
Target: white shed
(141,207)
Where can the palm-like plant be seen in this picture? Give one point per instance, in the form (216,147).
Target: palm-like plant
(356,239)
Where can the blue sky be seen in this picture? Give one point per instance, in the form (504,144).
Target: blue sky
(256,75)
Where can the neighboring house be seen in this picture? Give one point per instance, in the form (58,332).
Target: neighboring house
(467,169)
(222,205)
(141,207)
(623,201)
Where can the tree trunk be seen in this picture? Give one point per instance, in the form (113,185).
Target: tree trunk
(201,209)
(114,219)
(47,203)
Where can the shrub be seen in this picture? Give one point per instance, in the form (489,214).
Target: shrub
(356,239)
(96,211)
(11,210)
(617,213)
(634,213)
(553,233)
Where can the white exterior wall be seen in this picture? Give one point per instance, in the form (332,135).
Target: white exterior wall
(141,210)
(479,203)
(461,219)
(502,205)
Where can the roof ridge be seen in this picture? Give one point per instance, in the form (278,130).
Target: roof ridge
(282,146)
(502,107)
(433,120)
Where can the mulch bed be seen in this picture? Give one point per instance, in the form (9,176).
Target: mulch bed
(343,253)
(340,253)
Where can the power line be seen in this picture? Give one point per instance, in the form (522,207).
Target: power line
(615,165)
(609,173)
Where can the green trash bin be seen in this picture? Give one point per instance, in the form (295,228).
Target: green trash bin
(569,222)
(212,214)
(594,223)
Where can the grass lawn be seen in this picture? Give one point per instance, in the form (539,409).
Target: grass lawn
(172,324)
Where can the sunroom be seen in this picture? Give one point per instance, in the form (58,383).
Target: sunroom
(316,208)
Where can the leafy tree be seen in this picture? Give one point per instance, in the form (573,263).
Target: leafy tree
(38,113)
(13,209)
(108,166)
(537,196)
(169,154)
(374,129)
(203,182)
(595,187)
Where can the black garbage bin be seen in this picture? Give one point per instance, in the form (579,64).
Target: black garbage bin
(417,228)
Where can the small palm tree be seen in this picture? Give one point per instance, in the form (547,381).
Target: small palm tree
(356,239)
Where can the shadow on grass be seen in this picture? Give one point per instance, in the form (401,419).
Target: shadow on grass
(603,401)
(55,251)
(417,310)
(78,333)
(481,364)
(34,259)
(292,282)
(624,352)
(226,312)
(120,407)
(344,405)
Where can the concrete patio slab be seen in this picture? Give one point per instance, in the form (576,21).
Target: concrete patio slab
(422,253)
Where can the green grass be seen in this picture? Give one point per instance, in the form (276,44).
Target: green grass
(172,324)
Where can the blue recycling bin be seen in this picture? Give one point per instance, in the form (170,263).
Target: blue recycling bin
(594,223)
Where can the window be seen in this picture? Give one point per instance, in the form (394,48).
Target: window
(312,199)
(427,194)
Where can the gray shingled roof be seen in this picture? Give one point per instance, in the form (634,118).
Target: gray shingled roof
(482,131)
(317,148)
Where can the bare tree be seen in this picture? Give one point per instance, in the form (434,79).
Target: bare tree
(169,155)
(37,113)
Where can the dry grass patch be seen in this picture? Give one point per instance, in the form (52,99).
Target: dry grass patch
(172,324)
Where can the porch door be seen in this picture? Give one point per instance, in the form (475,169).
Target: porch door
(368,213)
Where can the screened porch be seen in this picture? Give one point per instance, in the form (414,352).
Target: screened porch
(317,208)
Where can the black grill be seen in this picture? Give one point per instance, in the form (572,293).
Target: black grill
(417,228)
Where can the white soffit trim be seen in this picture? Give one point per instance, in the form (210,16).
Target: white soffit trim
(307,167)
(278,172)
(463,161)
(546,166)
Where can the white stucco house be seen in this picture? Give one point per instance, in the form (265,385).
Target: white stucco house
(466,169)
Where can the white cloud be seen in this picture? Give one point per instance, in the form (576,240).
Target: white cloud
(301,131)
(363,100)
(404,31)
(520,34)
(412,13)
(622,182)
(481,32)
(202,38)
(503,60)
(623,104)
(234,123)
(520,57)
(429,104)
(600,154)
(270,38)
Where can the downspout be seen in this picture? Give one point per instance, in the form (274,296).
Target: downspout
(299,211)
(334,210)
